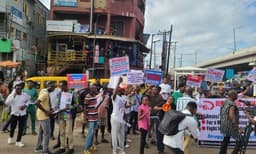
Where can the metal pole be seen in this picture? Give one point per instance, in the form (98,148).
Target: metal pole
(150,60)
(174,56)
(234,35)
(181,56)
(91,16)
(195,57)
(169,49)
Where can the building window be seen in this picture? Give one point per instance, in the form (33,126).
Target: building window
(18,35)
(25,36)
(25,8)
(117,28)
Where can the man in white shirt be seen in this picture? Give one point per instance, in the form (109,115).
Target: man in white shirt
(18,102)
(165,89)
(176,142)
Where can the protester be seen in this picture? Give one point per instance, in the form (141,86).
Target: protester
(92,117)
(44,111)
(117,120)
(31,109)
(18,102)
(177,94)
(176,142)
(102,116)
(229,123)
(66,112)
(165,89)
(143,121)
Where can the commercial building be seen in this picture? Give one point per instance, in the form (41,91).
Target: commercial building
(84,34)
(23,36)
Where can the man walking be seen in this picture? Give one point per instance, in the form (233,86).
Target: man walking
(43,113)
(18,102)
(229,120)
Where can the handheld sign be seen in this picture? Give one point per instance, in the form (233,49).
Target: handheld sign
(135,77)
(193,81)
(153,77)
(252,75)
(214,75)
(77,81)
(119,66)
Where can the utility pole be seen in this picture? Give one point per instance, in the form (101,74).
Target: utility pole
(234,35)
(169,49)
(91,16)
(181,56)
(151,51)
(174,55)
(195,57)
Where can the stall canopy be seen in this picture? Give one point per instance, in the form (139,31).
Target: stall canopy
(9,63)
(185,71)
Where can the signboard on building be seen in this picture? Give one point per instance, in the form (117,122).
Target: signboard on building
(193,81)
(5,45)
(78,28)
(214,75)
(77,81)
(59,26)
(210,125)
(16,15)
(69,3)
(153,77)
(119,66)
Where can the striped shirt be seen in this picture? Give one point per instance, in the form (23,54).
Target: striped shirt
(90,104)
(183,101)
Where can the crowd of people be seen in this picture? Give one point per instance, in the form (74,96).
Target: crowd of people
(136,109)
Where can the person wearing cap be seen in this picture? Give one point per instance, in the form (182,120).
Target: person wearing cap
(31,109)
(18,102)
(43,113)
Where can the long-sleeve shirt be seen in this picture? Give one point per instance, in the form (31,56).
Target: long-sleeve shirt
(16,102)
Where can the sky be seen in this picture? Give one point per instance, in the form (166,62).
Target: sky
(203,29)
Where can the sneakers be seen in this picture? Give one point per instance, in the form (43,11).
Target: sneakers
(19,144)
(60,151)
(70,151)
(47,152)
(56,146)
(39,149)
(10,140)
(87,152)
(93,149)
(127,146)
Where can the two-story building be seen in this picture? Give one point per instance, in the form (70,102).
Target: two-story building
(84,34)
(23,36)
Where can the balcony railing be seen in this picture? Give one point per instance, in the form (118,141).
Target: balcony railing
(66,57)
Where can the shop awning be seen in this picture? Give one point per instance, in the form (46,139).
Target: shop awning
(9,63)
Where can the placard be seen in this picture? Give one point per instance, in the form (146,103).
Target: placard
(135,77)
(153,77)
(252,75)
(210,126)
(193,81)
(65,100)
(77,81)
(214,75)
(119,66)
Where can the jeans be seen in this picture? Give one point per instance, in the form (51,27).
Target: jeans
(44,134)
(159,136)
(31,110)
(90,135)
(117,135)
(143,135)
(224,146)
(133,121)
(13,121)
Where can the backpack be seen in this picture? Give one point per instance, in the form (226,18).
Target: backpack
(170,123)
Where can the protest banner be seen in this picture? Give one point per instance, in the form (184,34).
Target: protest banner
(135,77)
(252,75)
(65,100)
(113,81)
(119,66)
(210,125)
(153,77)
(214,75)
(193,81)
(77,81)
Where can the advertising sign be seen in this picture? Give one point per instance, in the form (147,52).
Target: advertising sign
(70,3)
(16,15)
(77,81)
(135,77)
(193,81)
(214,75)
(119,66)
(59,26)
(210,126)
(153,77)
(252,75)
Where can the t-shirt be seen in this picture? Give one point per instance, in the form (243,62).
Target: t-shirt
(32,93)
(165,90)
(154,101)
(144,122)
(90,104)
(118,108)
(176,95)
(44,98)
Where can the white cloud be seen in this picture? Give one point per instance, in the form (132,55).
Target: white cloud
(205,26)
